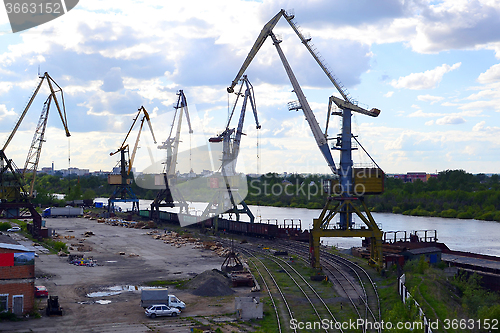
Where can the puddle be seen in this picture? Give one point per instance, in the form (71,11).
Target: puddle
(103,301)
(103,293)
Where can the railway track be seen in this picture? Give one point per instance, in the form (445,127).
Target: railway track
(352,279)
(318,305)
(349,280)
(294,299)
(288,314)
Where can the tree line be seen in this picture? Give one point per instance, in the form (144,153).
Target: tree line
(453,193)
(78,188)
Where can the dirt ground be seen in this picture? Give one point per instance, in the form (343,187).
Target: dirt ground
(126,259)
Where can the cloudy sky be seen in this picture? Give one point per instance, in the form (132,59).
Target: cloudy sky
(431,67)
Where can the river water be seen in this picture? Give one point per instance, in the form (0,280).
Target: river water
(460,235)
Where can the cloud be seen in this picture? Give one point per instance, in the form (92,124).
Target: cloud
(5,113)
(319,14)
(450,120)
(426,80)
(5,87)
(430,98)
(491,75)
(422,114)
(453,24)
(389,94)
(479,127)
(112,80)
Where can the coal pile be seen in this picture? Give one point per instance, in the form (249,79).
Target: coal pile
(211,283)
(213,287)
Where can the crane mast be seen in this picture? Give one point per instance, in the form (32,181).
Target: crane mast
(172,143)
(230,151)
(164,197)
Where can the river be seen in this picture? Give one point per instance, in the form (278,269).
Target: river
(460,235)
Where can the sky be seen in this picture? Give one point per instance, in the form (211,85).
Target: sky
(431,67)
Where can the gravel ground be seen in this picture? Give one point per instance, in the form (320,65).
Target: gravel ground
(144,259)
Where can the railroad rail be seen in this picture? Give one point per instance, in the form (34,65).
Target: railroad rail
(344,272)
(299,281)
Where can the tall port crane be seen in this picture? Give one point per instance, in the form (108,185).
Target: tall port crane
(348,182)
(231,139)
(164,198)
(123,191)
(17,186)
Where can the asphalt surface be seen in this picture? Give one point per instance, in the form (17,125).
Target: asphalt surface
(142,259)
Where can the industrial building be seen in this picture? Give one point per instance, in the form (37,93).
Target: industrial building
(17,277)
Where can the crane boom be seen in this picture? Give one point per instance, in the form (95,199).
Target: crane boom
(305,41)
(35,92)
(348,102)
(304,105)
(31,164)
(146,117)
(124,145)
(264,33)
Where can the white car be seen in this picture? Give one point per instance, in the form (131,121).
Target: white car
(14,229)
(161,310)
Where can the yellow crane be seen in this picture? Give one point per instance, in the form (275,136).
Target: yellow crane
(123,191)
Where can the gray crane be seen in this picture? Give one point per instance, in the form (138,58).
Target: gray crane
(231,139)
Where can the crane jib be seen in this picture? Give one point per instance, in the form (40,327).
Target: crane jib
(325,150)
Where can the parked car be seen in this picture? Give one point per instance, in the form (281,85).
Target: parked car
(14,229)
(41,291)
(161,310)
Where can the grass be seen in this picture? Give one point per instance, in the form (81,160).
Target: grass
(50,244)
(178,284)
(301,308)
(439,296)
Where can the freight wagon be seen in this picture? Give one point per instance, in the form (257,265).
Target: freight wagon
(271,229)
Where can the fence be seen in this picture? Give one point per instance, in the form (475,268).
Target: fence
(405,295)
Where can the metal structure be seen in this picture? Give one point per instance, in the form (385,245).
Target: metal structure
(17,185)
(123,191)
(164,198)
(347,199)
(231,139)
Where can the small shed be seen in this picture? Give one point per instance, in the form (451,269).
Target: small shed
(249,308)
(432,254)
